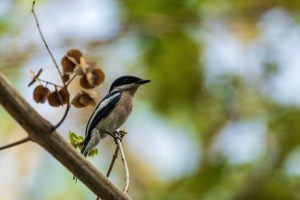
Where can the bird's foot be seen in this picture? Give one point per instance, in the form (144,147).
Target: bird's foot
(117,136)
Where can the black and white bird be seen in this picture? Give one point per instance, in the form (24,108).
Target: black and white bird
(111,113)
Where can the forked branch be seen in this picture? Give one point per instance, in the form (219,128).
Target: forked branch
(27,139)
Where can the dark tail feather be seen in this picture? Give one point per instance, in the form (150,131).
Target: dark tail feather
(83,150)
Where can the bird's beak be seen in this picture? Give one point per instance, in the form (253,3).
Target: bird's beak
(141,82)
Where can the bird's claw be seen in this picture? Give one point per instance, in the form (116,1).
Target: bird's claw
(117,135)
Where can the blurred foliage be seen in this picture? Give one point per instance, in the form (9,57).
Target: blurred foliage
(173,73)
(77,142)
(173,61)
(172,57)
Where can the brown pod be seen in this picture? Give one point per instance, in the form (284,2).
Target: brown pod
(40,94)
(83,99)
(64,94)
(98,76)
(53,99)
(84,83)
(68,65)
(75,53)
(66,77)
(58,98)
(76,103)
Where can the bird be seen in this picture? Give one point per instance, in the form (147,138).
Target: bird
(112,111)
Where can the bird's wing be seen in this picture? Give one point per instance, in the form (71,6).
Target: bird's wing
(102,110)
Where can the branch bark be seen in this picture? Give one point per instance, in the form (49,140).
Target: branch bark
(40,131)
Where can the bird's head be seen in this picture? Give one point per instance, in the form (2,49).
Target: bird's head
(129,83)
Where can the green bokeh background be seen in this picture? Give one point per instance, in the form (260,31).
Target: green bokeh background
(168,42)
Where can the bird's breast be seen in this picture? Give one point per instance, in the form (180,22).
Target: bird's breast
(119,114)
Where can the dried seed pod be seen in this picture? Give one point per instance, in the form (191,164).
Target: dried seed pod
(40,94)
(91,64)
(74,53)
(93,94)
(54,100)
(66,77)
(34,76)
(68,65)
(58,98)
(84,83)
(98,76)
(92,79)
(79,71)
(85,67)
(64,94)
(83,99)
(76,103)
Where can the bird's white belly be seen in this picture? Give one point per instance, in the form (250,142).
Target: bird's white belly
(117,117)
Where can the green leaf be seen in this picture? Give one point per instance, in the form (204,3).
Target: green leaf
(76,140)
(93,152)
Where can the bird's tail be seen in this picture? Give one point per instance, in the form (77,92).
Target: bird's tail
(84,150)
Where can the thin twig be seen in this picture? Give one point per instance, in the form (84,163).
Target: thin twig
(66,111)
(44,41)
(15,143)
(68,104)
(63,117)
(119,137)
(72,78)
(50,83)
(115,156)
(126,187)
(112,163)
(55,64)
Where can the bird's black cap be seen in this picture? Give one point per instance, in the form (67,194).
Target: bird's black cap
(124,80)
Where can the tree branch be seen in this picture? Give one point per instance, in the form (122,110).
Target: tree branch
(15,143)
(39,130)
